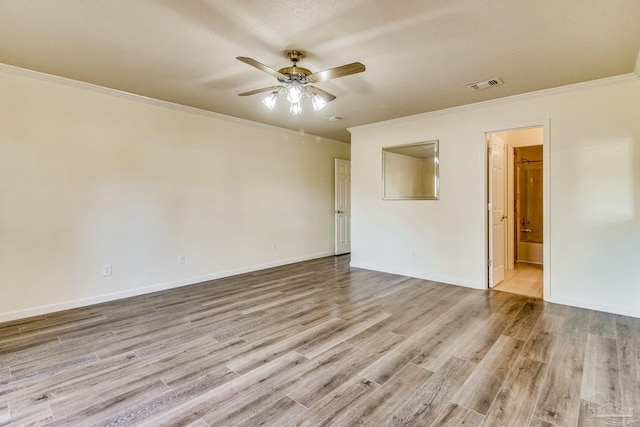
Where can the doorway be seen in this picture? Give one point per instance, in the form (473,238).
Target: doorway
(528,167)
(516,204)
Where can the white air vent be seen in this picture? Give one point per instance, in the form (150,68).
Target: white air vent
(485,84)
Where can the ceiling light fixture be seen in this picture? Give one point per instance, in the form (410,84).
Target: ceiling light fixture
(270,100)
(295,108)
(295,91)
(296,83)
(317,102)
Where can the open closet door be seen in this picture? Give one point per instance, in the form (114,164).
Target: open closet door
(496,208)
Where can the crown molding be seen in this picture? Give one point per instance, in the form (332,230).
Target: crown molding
(64,81)
(479,105)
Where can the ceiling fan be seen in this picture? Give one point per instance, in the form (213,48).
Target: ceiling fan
(296,82)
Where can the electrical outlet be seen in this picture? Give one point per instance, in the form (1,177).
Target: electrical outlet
(414,254)
(274,246)
(182,259)
(106,270)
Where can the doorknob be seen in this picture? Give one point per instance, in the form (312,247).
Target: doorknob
(339,212)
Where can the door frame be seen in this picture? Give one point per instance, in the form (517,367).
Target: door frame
(546,209)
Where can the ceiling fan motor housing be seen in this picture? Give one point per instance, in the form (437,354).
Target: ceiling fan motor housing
(294,72)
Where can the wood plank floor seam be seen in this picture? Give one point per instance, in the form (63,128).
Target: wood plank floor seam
(287,395)
(318,343)
(468,409)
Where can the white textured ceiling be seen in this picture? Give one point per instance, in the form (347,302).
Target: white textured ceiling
(419,54)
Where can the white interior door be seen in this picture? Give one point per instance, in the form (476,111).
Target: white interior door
(497,212)
(343,207)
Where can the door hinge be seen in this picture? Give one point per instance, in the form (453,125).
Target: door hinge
(489,263)
(489,206)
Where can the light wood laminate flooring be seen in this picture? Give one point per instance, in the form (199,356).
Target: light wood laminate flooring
(525,279)
(320,343)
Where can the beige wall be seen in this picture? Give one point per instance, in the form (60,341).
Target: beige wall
(593,190)
(89,177)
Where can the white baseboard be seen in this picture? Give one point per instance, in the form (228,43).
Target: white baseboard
(624,311)
(613,309)
(83,302)
(401,272)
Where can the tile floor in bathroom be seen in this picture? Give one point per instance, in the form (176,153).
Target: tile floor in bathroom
(525,279)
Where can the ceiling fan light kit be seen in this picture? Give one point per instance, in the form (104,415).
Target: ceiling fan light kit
(270,100)
(296,82)
(318,103)
(294,92)
(295,108)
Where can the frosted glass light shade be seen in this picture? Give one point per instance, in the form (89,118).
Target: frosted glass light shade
(294,92)
(317,102)
(270,100)
(295,109)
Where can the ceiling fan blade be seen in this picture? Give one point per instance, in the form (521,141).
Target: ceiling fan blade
(334,73)
(262,67)
(321,93)
(264,89)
